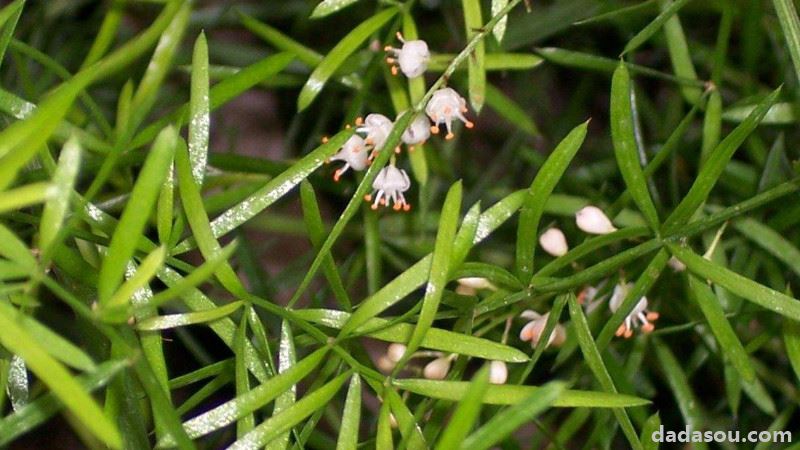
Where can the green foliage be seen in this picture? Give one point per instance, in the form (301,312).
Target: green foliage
(177,270)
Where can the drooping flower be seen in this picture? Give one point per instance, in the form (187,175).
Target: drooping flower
(377,128)
(417,132)
(498,372)
(554,242)
(639,316)
(533,330)
(444,106)
(388,187)
(412,57)
(588,297)
(593,220)
(353,153)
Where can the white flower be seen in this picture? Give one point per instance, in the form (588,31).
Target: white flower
(592,220)
(377,128)
(412,58)
(533,330)
(437,369)
(388,186)
(589,299)
(554,242)
(443,107)
(638,316)
(498,372)
(417,132)
(395,352)
(354,155)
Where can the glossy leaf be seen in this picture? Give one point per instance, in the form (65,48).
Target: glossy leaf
(534,204)
(715,165)
(199,110)
(625,147)
(182,320)
(273,427)
(134,217)
(507,421)
(598,368)
(744,287)
(351,416)
(440,268)
(56,377)
(435,338)
(505,394)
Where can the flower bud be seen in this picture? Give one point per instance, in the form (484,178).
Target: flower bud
(437,369)
(385,364)
(466,290)
(477,283)
(395,352)
(498,372)
(554,242)
(592,220)
(676,264)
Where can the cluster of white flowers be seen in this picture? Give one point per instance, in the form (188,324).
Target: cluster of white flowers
(444,108)
(592,220)
(371,133)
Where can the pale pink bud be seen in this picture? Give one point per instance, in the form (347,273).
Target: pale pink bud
(554,242)
(395,352)
(593,220)
(437,369)
(498,372)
